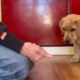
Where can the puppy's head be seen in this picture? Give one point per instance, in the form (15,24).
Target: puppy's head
(70,27)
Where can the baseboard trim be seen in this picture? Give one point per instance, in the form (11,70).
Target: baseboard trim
(63,50)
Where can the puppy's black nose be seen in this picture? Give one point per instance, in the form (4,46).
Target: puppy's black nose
(67,42)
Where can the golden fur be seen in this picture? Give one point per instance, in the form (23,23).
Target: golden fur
(70,27)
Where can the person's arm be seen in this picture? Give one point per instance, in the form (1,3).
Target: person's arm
(28,49)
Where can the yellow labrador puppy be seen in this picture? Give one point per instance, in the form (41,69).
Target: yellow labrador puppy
(70,27)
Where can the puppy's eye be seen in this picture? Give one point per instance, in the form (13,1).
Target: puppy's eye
(63,29)
(72,30)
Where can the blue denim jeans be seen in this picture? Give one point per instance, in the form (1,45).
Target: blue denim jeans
(13,66)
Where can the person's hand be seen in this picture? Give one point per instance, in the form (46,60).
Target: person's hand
(34,52)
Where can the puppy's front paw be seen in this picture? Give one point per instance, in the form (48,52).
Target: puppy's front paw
(74,60)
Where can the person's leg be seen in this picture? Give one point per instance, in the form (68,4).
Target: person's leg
(13,66)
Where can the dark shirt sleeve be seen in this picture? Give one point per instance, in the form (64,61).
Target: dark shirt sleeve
(10,41)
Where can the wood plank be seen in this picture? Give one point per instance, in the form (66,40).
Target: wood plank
(57,68)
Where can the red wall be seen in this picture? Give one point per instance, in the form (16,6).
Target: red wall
(35,20)
(74,6)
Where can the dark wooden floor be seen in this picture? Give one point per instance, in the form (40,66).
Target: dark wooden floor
(57,68)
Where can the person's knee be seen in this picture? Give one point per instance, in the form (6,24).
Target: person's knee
(13,62)
(22,66)
(15,68)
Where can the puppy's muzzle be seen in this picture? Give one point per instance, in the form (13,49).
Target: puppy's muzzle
(67,41)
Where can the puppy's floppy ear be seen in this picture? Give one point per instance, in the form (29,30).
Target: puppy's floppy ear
(77,21)
(77,27)
(61,22)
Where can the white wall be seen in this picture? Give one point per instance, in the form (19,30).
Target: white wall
(60,50)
